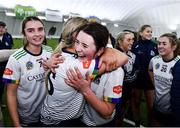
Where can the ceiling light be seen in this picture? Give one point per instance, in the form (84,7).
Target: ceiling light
(65,19)
(172,27)
(103,23)
(116,25)
(42,17)
(10,14)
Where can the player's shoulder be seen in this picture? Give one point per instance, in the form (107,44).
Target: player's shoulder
(19,53)
(157,57)
(47,48)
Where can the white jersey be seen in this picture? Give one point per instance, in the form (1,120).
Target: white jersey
(162,81)
(108,87)
(64,102)
(25,69)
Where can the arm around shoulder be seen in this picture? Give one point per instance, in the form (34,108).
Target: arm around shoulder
(112,58)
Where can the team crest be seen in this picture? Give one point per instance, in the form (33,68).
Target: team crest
(29,65)
(157,66)
(117,89)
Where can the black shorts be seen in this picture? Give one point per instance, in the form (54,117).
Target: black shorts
(142,85)
(165,119)
(67,123)
(143,82)
(126,92)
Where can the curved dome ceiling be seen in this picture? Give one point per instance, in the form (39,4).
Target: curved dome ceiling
(158,13)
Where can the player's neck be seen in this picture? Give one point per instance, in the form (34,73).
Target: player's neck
(34,49)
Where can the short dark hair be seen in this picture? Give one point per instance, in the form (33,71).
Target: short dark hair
(2,24)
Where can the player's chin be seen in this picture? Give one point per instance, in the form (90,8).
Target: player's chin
(82,57)
(162,53)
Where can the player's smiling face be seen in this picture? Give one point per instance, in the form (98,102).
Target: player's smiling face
(127,42)
(85,46)
(146,34)
(165,48)
(34,32)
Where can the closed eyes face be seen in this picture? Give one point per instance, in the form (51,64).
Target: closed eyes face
(127,42)
(34,32)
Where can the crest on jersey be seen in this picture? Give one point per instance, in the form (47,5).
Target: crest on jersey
(29,65)
(117,89)
(157,66)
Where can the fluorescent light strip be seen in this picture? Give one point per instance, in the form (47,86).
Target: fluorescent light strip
(10,14)
(65,19)
(116,25)
(42,17)
(103,23)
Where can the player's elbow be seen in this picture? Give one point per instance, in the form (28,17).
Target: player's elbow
(107,114)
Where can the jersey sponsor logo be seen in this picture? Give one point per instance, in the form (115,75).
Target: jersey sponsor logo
(117,89)
(6,43)
(140,52)
(152,53)
(37,77)
(8,71)
(164,82)
(137,46)
(29,65)
(86,64)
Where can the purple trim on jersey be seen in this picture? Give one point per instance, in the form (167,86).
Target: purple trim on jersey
(112,100)
(8,81)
